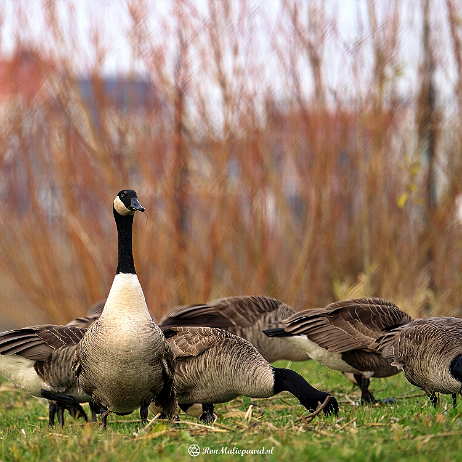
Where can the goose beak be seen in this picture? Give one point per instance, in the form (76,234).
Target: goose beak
(135,205)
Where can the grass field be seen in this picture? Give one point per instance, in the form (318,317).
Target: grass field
(411,429)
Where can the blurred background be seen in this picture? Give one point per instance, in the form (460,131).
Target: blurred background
(306,150)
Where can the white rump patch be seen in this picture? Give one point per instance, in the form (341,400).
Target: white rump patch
(195,410)
(321,355)
(21,373)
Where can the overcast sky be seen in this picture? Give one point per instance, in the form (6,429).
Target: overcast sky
(80,19)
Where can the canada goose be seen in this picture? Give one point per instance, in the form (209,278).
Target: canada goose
(123,361)
(342,337)
(58,407)
(38,360)
(429,351)
(216,366)
(245,316)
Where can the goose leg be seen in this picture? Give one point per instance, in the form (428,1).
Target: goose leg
(454,399)
(104,413)
(60,414)
(76,410)
(366,395)
(207,414)
(94,410)
(52,409)
(434,399)
(144,410)
(61,403)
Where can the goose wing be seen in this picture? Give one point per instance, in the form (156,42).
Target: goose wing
(187,342)
(93,314)
(348,324)
(223,313)
(37,342)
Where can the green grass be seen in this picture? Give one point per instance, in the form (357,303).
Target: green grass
(410,429)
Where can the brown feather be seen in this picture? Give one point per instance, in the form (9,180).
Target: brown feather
(245,316)
(425,348)
(347,325)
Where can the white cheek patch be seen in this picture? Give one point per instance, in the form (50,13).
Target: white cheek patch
(120,207)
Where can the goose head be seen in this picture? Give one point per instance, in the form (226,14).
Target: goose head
(126,203)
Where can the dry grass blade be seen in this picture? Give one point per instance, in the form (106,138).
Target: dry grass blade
(248,414)
(435,435)
(155,435)
(208,427)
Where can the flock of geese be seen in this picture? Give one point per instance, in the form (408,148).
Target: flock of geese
(119,360)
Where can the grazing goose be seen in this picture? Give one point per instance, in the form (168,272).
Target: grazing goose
(216,366)
(342,337)
(429,350)
(123,361)
(38,360)
(245,316)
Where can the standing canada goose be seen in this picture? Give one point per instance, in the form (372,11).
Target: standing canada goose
(123,361)
(245,316)
(38,360)
(429,351)
(342,336)
(216,366)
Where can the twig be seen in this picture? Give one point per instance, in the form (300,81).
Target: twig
(209,427)
(216,424)
(248,427)
(126,421)
(323,433)
(151,422)
(154,435)
(411,396)
(143,430)
(348,423)
(436,435)
(57,434)
(308,418)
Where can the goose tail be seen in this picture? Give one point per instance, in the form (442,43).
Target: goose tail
(276,332)
(166,398)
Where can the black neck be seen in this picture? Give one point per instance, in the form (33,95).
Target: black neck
(456,368)
(288,380)
(124,232)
